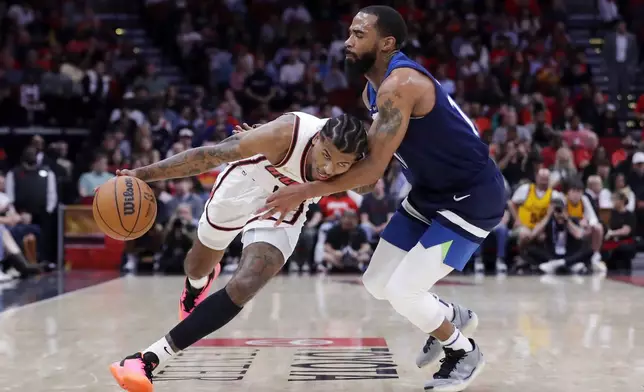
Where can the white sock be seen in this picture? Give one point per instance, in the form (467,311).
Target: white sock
(596,258)
(458,342)
(448,308)
(198,283)
(162,349)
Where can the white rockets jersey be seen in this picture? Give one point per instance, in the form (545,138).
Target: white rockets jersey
(292,169)
(244,185)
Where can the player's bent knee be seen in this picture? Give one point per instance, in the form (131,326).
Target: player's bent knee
(259,263)
(373,285)
(421,308)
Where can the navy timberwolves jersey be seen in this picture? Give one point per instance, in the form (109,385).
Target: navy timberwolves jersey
(441,151)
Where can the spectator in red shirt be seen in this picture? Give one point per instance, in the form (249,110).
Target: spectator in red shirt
(334,205)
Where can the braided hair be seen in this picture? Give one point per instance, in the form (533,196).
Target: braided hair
(348,135)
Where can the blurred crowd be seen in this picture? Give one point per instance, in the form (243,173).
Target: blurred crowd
(576,196)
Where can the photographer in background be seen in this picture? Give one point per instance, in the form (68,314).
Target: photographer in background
(346,249)
(558,242)
(179,233)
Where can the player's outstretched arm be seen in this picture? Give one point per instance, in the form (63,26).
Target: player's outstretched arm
(271,140)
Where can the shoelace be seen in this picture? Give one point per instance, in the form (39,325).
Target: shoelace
(190,298)
(192,294)
(428,343)
(452,358)
(147,367)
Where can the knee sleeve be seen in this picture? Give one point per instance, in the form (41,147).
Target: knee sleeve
(408,288)
(383,262)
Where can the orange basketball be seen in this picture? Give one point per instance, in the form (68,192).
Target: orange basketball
(124,208)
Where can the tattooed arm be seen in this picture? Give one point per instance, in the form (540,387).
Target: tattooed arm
(363,190)
(396,99)
(271,140)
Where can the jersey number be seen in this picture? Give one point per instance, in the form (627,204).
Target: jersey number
(463,115)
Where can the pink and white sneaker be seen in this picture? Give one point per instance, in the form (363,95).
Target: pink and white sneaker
(191,297)
(134,373)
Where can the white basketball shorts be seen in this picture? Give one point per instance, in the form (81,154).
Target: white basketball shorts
(231,209)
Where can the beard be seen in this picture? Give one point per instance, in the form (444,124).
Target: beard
(359,66)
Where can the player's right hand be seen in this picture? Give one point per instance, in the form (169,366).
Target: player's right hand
(125,172)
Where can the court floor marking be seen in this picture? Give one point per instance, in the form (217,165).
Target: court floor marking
(10,310)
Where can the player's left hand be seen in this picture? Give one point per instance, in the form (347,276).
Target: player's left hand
(283,201)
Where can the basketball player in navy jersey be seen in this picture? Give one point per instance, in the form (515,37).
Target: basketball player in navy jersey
(457,193)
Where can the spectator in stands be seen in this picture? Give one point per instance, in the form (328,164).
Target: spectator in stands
(259,88)
(621,56)
(177,239)
(184,195)
(620,234)
(564,168)
(332,208)
(31,188)
(558,242)
(375,211)
(621,186)
(89,181)
(530,204)
(346,248)
(598,195)
(580,208)
(155,84)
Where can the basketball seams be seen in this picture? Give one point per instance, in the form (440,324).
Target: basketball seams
(116,202)
(140,208)
(98,209)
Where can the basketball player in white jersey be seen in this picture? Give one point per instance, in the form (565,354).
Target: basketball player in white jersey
(295,148)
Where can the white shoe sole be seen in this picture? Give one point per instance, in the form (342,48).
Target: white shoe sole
(468,331)
(463,385)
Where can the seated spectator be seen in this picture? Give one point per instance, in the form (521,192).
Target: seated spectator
(558,242)
(177,239)
(184,195)
(530,204)
(376,210)
(597,194)
(620,244)
(620,185)
(332,207)
(98,176)
(346,248)
(580,208)
(25,234)
(564,168)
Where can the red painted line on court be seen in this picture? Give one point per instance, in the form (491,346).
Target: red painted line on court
(293,342)
(634,280)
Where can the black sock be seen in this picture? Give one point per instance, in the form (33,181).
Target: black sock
(213,313)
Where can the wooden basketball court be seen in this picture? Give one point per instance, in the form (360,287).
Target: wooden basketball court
(323,334)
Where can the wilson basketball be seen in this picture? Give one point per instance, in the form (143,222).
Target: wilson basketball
(124,208)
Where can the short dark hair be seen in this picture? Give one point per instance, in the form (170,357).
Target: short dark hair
(389,23)
(348,134)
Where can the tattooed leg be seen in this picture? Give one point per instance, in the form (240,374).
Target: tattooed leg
(259,263)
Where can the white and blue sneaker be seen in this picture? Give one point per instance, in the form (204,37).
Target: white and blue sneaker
(458,369)
(464,319)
